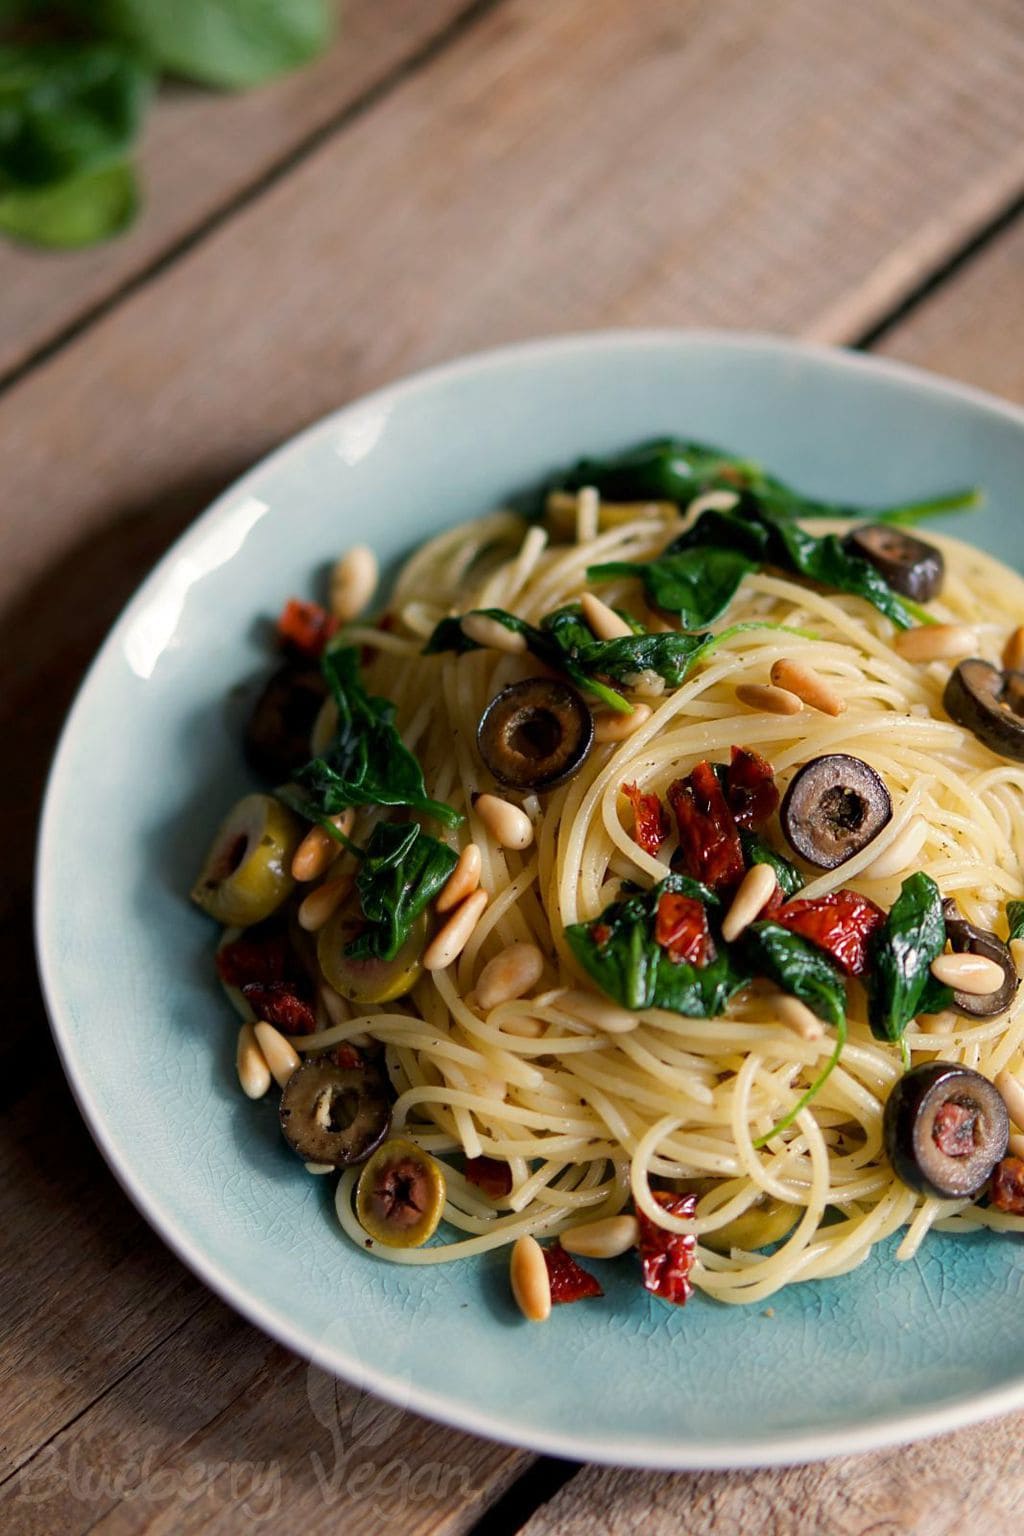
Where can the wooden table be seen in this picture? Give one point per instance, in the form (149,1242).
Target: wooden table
(457,173)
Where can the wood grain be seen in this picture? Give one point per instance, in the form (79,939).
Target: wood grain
(202,151)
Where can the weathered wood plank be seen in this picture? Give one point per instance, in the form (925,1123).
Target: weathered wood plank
(201,151)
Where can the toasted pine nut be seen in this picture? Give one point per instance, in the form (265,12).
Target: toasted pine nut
(320,1168)
(588,514)
(808,685)
(974,974)
(1015,1146)
(597,1011)
(322,902)
(648,684)
(462,881)
(509,975)
(324,727)
(754,890)
(447,945)
(611,726)
(1011,1090)
(935,642)
(279,1054)
(798,1017)
(774,701)
(492,634)
(602,1239)
(604,621)
(253,1072)
(507,824)
(318,849)
(523,1026)
(528,1274)
(944,1023)
(353,583)
(901,852)
(1017,954)
(1013,651)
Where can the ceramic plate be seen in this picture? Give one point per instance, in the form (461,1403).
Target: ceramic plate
(150,760)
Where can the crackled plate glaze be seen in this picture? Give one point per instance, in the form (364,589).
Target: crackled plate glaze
(148,763)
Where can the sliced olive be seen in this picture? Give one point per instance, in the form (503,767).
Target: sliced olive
(833,808)
(990,703)
(535,734)
(909,565)
(368,981)
(332,1114)
(965,938)
(945,1129)
(400,1194)
(766,1221)
(279,728)
(247,873)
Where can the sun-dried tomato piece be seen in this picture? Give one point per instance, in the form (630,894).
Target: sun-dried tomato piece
(841,924)
(681,928)
(569,1280)
(490,1174)
(650,819)
(281,1005)
(305,628)
(346,1055)
(953,1129)
(666,1258)
(600,933)
(255,957)
(1006,1191)
(750,788)
(709,844)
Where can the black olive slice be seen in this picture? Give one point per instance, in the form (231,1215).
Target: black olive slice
(833,808)
(945,1129)
(965,938)
(332,1114)
(535,734)
(278,732)
(909,565)
(990,703)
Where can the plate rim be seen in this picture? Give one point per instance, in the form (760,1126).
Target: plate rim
(607,1449)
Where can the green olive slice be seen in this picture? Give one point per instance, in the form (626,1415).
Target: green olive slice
(332,1114)
(400,1194)
(247,872)
(368,981)
(766,1221)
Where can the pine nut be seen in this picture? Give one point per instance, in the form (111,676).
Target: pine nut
(808,685)
(604,1239)
(448,944)
(935,642)
(319,1167)
(253,1072)
(279,1054)
(492,634)
(463,880)
(508,825)
(974,974)
(611,726)
(588,514)
(353,583)
(648,684)
(765,696)
(755,889)
(523,1026)
(595,1010)
(604,621)
(945,1023)
(509,975)
(1011,1090)
(1015,1146)
(1013,651)
(528,1274)
(318,849)
(798,1017)
(322,903)
(901,852)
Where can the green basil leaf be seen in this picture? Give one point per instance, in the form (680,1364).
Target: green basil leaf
(798,967)
(73,213)
(899,982)
(697,584)
(66,110)
(757,851)
(1015,920)
(402,870)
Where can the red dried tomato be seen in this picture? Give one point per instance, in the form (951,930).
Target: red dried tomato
(953,1129)
(750,788)
(709,844)
(681,928)
(347,1055)
(650,819)
(666,1258)
(281,1005)
(840,924)
(305,628)
(254,957)
(1006,1192)
(569,1280)
(600,933)
(491,1175)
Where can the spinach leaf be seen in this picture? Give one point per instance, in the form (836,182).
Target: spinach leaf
(66,111)
(899,982)
(697,584)
(366,763)
(402,871)
(798,967)
(73,213)
(757,851)
(1015,920)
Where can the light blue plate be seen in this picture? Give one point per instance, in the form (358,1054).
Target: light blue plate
(149,762)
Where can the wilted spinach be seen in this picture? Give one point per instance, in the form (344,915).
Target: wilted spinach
(402,870)
(697,584)
(899,982)
(1015,920)
(757,851)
